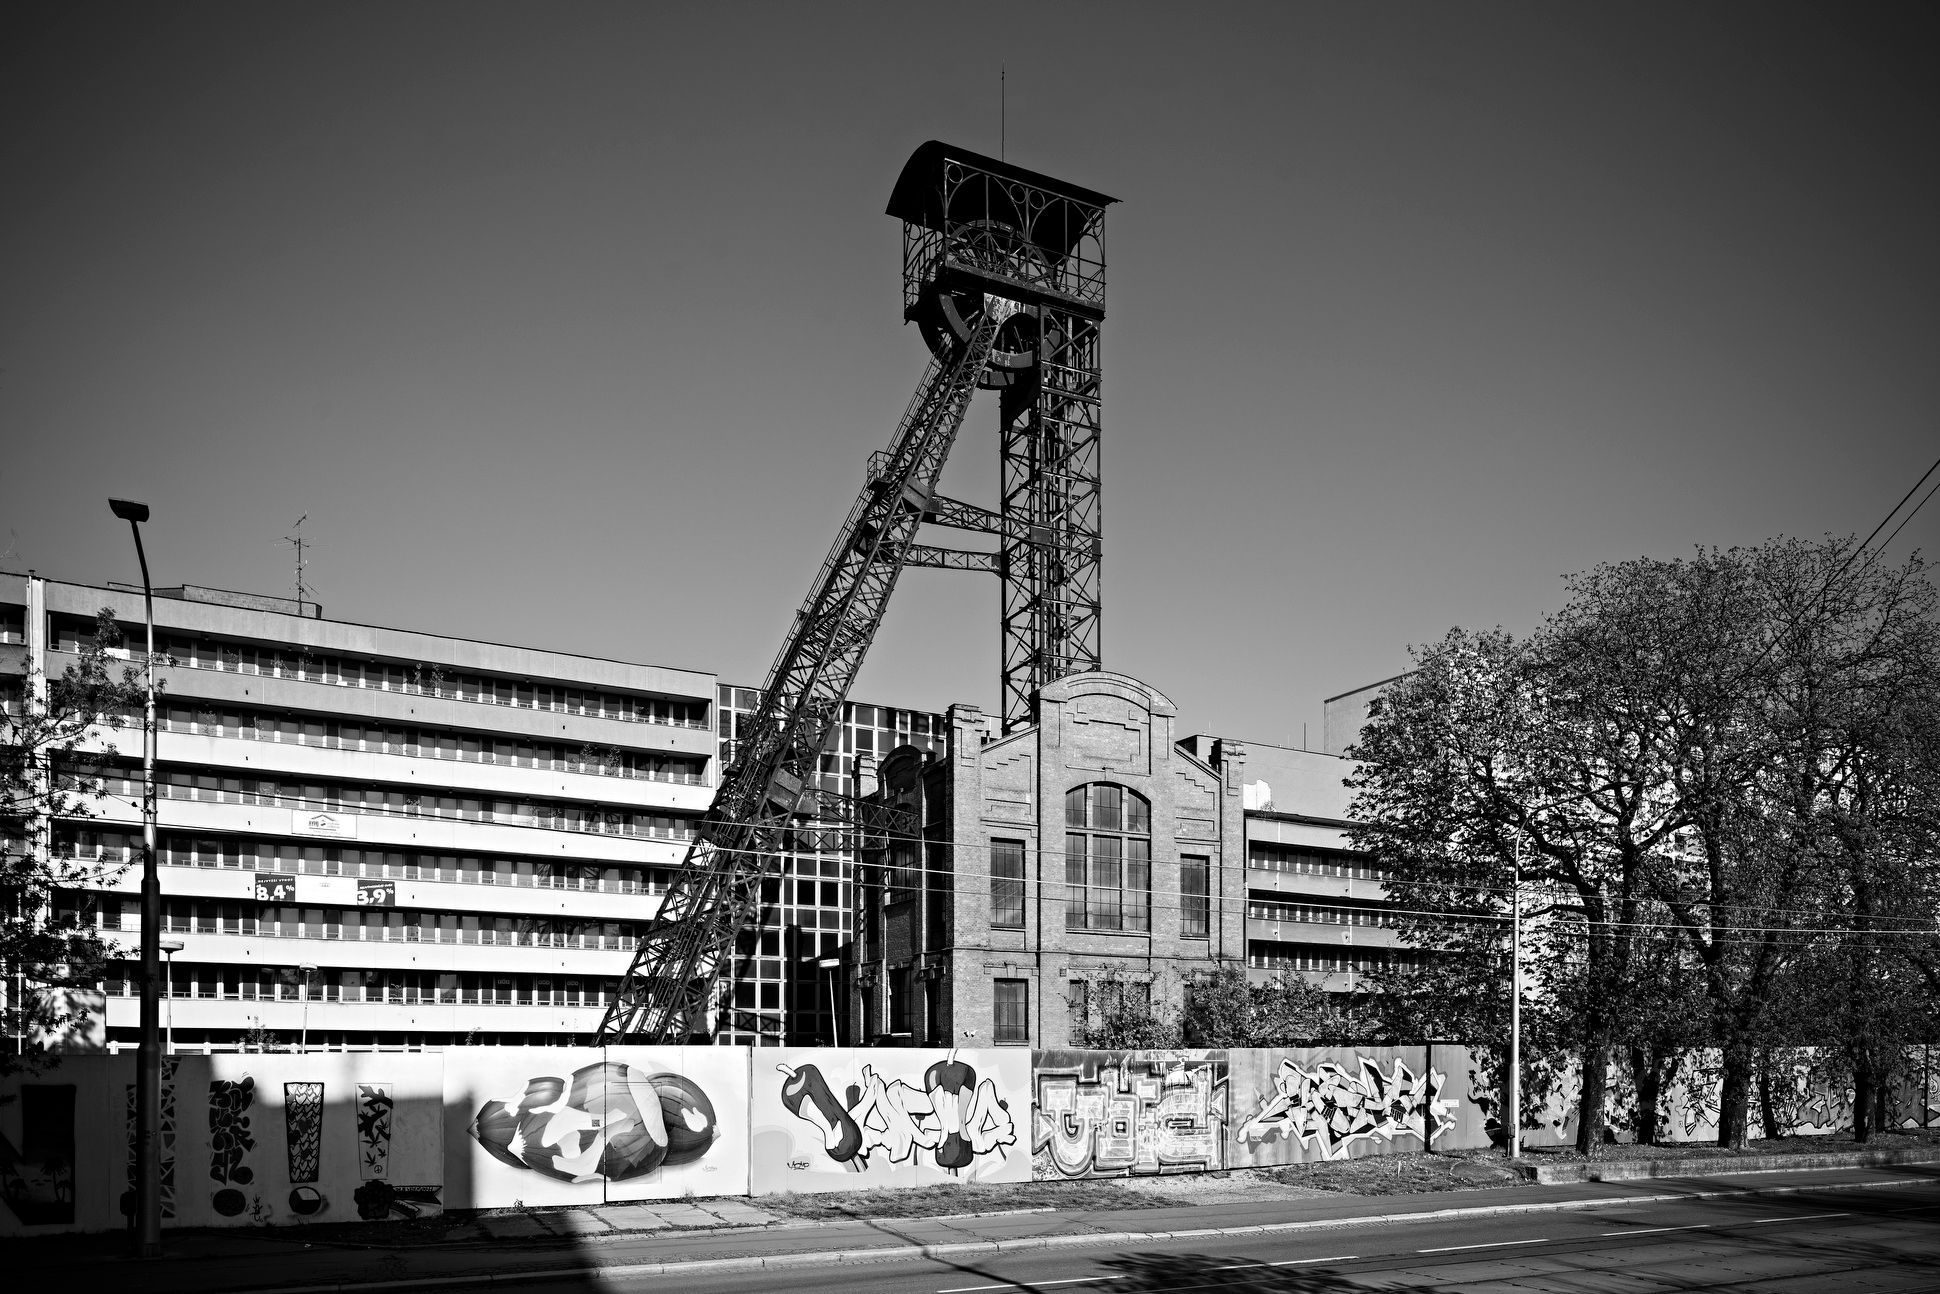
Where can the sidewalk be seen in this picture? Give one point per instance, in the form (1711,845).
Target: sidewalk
(582,1240)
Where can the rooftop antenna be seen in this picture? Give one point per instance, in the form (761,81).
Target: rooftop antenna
(296,541)
(1003,108)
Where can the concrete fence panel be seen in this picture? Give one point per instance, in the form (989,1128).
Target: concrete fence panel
(546,1126)
(1130,1113)
(835,1118)
(1308,1104)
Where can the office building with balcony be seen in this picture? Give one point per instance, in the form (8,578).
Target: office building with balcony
(373,836)
(378,837)
(1314,907)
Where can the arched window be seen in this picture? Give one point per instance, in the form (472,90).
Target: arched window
(1107,859)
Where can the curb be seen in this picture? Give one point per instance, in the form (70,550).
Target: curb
(968,1248)
(1633,1169)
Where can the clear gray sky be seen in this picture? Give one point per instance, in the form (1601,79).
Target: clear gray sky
(572,325)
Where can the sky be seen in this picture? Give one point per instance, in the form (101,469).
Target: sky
(572,325)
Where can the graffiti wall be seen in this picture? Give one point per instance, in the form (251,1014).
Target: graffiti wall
(1305,1104)
(543,1126)
(245,1140)
(285,1139)
(830,1119)
(1129,1113)
(1808,1100)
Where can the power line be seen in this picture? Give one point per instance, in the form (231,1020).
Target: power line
(1909,516)
(823,828)
(1716,933)
(1889,516)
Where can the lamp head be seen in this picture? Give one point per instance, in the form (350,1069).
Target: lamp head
(129,510)
(171,945)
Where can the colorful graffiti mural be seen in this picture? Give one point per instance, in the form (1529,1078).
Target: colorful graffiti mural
(1333,1108)
(613,1122)
(254,1139)
(588,1126)
(165,1141)
(374,1107)
(827,1116)
(230,1142)
(1116,1114)
(952,1116)
(303,1146)
(291,1139)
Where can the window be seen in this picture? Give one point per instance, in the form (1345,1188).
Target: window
(1195,897)
(1007,884)
(900,982)
(1107,859)
(1010,1003)
(1270,857)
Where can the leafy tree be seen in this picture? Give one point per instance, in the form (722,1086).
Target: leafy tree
(1225,1009)
(1118,1012)
(1803,760)
(1499,759)
(52,745)
(1734,748)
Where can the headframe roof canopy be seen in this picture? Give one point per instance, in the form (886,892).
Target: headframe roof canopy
(924,187)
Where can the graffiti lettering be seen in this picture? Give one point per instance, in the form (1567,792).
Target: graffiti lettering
(953,1117)
(613,1122)
(229,1142)
(1130,1113)
(1330,1108)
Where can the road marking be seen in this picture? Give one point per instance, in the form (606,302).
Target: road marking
(1291,1262)
(1494,1244)
(1644,1231)
(1796,1217)
(1015,1285)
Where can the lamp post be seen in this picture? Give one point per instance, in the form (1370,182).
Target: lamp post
(1514,1121)
(148,1063)
(308,971)
(169,948)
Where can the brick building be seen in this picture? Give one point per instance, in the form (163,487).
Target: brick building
(1028,873)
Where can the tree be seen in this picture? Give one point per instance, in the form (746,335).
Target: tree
(1733,749)
(1115,1011)
(1855,703)
(1498,759)
(1226,1009)
(1794,736)
(53,743)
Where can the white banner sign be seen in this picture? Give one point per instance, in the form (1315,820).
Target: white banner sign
(340,825)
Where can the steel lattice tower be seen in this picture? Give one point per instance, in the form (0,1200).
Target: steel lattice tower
(1004,271)
(971,225)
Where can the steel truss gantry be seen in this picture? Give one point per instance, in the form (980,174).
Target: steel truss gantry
(1004,272)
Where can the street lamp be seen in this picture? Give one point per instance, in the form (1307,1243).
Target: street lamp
(169,948)
(1515,1009)
(148,1063)
(308,971)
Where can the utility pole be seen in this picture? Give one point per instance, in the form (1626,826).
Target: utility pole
(1513,1123)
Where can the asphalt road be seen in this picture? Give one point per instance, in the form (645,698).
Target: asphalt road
(1830,1241)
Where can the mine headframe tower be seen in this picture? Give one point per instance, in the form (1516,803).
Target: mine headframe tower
(1004,273)
(971,226)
